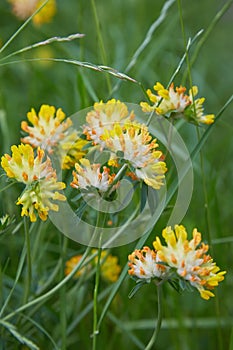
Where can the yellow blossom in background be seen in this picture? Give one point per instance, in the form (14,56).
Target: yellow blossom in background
(103,117)
(144,264)
(23,9)
(71,149)
(109,269)
(72,262)
(189,259)
(138,148)
(38,176)
(90,175)
(173,102)
(43,55)
(46,13)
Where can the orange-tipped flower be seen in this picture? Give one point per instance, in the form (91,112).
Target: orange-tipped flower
(39,177)
(189,259)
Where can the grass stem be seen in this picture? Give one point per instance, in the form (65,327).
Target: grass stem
(101,42)
(29,262)
(159,319)
(62,294)
(95,300)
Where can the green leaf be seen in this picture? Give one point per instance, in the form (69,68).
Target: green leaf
(87,146)
(136,288)
(144,193)
(152,200)
(23,340)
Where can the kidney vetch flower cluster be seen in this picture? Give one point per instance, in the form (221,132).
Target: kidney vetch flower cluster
(42,187)
(111,127)
(174,103)
(53,132)
(180,259)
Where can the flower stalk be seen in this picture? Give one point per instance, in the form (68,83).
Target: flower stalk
(159,318)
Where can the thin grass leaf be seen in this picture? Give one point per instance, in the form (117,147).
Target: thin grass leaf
(136,288)
(144,194)
(4,131)
(188,46)
(209,129)
(87,309)
(45,42)
(208,31)
(100,40)
(173,323)
(18,274)
(97,68)
(223,240)
(89,88)
(23,340)
(147,38)
(129,334)
(51,292)
(55,347)
(22,27)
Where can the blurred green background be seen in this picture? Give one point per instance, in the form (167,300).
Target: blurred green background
(190,323)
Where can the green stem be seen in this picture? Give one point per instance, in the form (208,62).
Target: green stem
(208,31)
(101,42)
(100,220)
(117,178)
(95,300)
(29,262)
(62,296)
(22,27)
(43,43)
(206,200)
(207,218)
(147,39)
(185,44)
(159,319)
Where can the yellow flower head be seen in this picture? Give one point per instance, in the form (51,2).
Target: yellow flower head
(46,13)
(90,175)
(38,176)
(196,110)
(51,131)
(166,101)
(138,148)
(144,264)
(72,262)
(23,9)
(174,102)
(48,128)
(189,259)
(109,269)
(71,149)
(103,117)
